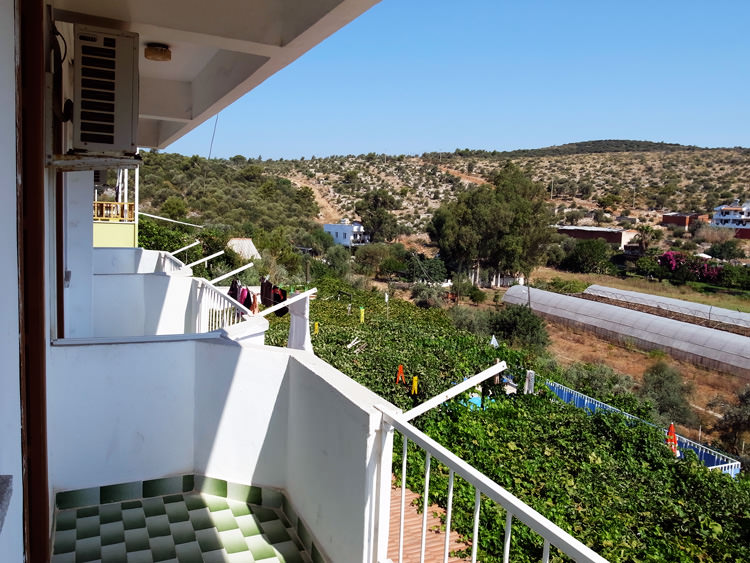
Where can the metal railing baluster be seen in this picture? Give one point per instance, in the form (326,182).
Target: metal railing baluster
(506,544)
(428,459)
(449,513)
(514,507)
(403,502)
(475,536)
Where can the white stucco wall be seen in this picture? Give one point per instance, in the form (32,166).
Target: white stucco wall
(272,417)
(131,261)
(79,253)
(142,304)
(241,413)
(333,451)
(168,304)
(116,260)
(340,232)
(119,413)
(11,535)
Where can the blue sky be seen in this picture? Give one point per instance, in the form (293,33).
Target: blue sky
(413,76)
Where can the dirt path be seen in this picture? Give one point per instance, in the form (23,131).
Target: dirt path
(465,177)
(328,213)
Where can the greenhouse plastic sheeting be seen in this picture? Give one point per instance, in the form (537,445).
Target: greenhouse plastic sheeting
(711,348)
(698,310)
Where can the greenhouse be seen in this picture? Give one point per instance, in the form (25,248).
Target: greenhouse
(707,347)
(698,310)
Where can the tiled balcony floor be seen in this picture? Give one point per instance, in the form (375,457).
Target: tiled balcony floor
(182,527)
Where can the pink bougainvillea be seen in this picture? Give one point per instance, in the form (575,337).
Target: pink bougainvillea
(672,260)
(685,267)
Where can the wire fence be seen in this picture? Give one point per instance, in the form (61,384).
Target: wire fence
(710,458)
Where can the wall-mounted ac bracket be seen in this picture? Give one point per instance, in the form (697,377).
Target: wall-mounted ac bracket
(78,162)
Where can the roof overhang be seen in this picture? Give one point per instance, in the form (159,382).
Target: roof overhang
(220,49)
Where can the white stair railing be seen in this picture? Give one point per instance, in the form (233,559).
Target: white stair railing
(483,485)
(168,263)
(216,310)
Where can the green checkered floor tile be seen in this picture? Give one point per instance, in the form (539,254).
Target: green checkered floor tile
(188,527)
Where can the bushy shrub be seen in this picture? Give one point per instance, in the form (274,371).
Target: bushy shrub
(427,296)
(519,325)
(664,387)
(559,285)
(590,257)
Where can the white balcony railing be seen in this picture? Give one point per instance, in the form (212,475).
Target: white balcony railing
(168,263)
(483,485)
(214,309)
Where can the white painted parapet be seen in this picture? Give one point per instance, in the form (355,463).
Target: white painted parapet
(137,261)
(251,414)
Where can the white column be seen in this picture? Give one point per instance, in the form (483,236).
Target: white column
(11,537)
(79,255)
(136,195)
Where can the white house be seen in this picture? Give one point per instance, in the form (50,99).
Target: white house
(139,407)
(346,233)
(734,216)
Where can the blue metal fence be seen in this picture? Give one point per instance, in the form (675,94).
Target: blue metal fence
(710,458)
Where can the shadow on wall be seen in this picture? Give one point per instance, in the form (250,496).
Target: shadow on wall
(6,491)
(273,418)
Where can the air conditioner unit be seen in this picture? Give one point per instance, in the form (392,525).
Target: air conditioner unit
(105,118)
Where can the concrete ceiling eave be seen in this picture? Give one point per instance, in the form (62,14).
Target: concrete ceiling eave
(221,49)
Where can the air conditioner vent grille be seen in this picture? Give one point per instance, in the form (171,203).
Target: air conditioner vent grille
(107,89)
(98,67)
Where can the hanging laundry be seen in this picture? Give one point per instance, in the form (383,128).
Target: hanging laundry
(243,295)
(251,302)
(234,290)
(266,290)
(279,296)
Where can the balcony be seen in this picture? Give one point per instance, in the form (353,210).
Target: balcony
(174,432)
(146,293)
(114,211)
(114,224)
(279,420)
(259,449)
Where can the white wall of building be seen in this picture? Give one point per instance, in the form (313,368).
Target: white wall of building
(241,413)
(333,454)
(79,254)
(116,260)
(142,304)
(11,535)
(119,413)
(132,261)
(296,424)
(341,233)
(246,413)
(168,304)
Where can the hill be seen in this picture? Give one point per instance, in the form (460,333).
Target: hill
(633,177)
(637,178)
